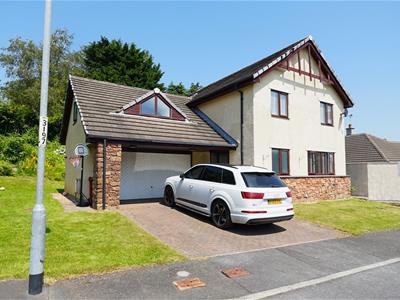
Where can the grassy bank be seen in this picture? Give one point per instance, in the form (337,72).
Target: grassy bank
(76,243)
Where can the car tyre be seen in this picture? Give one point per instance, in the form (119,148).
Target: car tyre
(221,215)
(169,197)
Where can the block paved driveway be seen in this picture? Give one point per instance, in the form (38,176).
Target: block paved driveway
(194,236)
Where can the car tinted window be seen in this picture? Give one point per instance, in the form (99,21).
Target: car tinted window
(194,173)
(257,179)
(227,177)
(213,174)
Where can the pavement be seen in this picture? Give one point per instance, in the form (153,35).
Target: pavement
(177,228)
(352,268)
(69,205)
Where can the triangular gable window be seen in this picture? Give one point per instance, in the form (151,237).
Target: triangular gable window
(154,106)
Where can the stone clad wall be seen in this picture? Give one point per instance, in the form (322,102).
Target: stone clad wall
(310,189)
(113,174)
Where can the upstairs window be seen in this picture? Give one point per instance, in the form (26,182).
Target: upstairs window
(279,104)
(280,161)
(326,110)
(154,104)
(321,163)
(155,107)
(74,113)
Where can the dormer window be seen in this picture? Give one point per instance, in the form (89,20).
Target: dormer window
(154,104)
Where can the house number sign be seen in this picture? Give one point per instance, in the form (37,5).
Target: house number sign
(43,131)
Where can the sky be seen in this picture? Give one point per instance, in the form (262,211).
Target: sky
(204,41)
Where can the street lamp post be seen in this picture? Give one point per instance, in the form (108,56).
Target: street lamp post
(36,270)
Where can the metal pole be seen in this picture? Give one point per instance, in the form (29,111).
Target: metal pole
(38,237)
(81,183)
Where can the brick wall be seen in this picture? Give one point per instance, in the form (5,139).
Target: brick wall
(113,174)
(309,189)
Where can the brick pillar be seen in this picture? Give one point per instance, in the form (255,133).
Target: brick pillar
(113,175)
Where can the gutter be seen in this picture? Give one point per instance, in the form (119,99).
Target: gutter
(160,144)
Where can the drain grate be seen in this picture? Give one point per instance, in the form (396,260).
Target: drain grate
(188,283)
(235,272)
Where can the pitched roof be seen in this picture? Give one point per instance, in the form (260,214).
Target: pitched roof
(368,148)
(247,74)
(100,105)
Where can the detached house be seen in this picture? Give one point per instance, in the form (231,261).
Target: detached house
(285,112)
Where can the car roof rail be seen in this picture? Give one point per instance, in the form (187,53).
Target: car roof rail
(224,165)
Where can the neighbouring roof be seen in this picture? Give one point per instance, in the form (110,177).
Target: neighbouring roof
(100,106)
(250,73)
(368,148)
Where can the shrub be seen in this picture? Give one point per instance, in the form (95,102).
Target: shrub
(54,166)
(6,169)
(21,150)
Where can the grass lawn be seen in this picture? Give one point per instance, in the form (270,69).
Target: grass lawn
(353,216)
(76,242)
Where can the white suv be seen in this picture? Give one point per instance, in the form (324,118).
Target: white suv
(231,194)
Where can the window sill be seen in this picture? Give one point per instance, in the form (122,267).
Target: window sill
(280,117)
(321,175)
(328,125)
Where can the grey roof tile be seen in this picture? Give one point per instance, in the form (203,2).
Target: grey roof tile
(99,103)
(368,148)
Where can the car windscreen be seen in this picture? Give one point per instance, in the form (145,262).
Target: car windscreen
(262,180)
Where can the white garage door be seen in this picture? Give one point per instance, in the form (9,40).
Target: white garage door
(143,174)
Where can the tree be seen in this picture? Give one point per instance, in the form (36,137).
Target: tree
(180,89)
(121,63)
(22,63)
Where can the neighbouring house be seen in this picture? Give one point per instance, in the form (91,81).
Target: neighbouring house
(373,164)
(285,112)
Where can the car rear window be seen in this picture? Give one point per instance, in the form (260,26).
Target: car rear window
(259,179)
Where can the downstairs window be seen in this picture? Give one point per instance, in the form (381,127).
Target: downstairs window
(321,163)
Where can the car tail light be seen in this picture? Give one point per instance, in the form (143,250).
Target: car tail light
(251,195)
(289,194)
(289,209)
(254,211)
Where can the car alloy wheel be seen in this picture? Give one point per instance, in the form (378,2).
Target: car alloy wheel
(220,214)
(169,199)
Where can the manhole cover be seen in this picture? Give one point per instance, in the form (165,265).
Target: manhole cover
(188,283)
(182,273)
(235,272)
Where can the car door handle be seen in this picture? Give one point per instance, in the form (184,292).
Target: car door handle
(190,186)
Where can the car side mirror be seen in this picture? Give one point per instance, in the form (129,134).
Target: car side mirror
(182,176)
